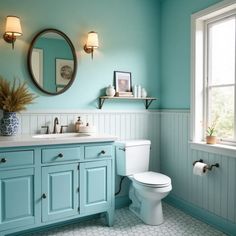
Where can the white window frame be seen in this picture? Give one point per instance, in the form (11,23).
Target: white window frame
(215,20)
(198,60)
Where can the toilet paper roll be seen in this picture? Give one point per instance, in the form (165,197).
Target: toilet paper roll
(199,168)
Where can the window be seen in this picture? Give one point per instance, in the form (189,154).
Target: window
(213,72)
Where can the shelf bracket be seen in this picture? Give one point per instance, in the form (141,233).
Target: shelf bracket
(148,102)
(101,102)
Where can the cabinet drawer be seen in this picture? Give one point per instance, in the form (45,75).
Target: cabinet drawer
(97,151)
(16,158)
(61,154)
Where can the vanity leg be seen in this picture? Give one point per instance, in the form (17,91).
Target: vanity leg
(110,217)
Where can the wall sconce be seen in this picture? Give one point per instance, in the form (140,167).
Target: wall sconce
(13,29)
(92,43)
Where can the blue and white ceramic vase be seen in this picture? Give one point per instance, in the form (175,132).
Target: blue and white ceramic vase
(9,124)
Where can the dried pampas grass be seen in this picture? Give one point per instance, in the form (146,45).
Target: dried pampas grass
(14,98)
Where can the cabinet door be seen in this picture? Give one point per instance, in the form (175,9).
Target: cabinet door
(16,198)
(95,186)
(59,191)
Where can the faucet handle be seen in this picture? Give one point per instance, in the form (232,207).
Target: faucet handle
(46,127)
(62,126)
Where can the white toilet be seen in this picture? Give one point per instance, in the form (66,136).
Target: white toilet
(148,188)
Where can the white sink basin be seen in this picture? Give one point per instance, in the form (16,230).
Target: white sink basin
(58,136)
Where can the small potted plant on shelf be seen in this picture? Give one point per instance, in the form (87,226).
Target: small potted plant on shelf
(211,137)
(13,99)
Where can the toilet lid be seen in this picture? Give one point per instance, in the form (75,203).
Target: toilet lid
(152,179)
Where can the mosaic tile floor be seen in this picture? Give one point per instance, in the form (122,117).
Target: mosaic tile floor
(176,223)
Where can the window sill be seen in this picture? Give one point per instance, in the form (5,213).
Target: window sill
(221,149)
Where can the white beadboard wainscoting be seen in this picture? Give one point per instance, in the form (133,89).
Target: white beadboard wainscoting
(216,191)
(211,197)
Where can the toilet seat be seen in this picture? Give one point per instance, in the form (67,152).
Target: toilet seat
(152,179)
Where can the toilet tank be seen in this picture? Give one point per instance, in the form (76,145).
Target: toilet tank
(132,156)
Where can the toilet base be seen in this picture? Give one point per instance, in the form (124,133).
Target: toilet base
(153,217)
(150,212)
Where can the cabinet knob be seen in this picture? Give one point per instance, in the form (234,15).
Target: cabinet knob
(3,160)
(60,155)
(44,196)
(103,152)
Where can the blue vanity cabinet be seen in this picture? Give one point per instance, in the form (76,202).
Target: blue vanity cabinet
(44,185)
(59,191)
(17,193)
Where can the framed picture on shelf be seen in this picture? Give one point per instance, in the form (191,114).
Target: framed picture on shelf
(122,81)
(64,71)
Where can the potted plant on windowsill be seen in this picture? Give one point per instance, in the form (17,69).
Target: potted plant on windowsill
(13,99)
(211,137)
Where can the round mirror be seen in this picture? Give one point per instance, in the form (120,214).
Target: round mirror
(52,61)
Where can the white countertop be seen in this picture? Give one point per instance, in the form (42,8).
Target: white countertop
(29,140)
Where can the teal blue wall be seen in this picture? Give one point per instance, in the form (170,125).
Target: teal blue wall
(129,32)
(52,49)
(148,38)
(175,50)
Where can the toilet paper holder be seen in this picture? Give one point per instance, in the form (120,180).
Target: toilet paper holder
(207,167)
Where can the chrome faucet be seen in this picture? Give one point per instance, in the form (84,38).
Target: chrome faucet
(56,122)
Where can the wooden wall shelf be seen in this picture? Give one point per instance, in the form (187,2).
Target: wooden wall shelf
(147,100)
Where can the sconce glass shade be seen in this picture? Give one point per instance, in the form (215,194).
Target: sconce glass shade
(13,26)
(13,29)
(92,41)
